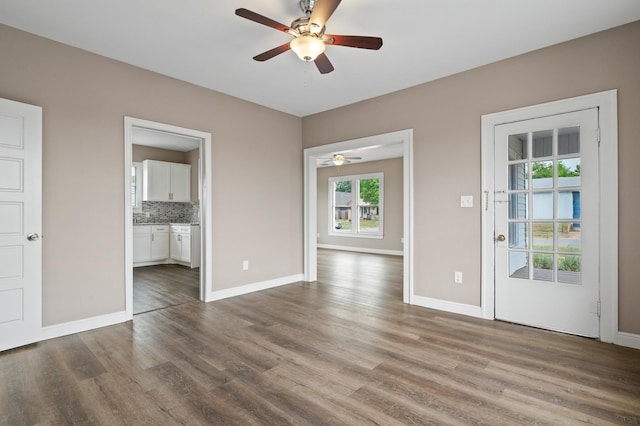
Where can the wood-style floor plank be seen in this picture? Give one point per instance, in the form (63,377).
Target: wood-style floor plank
(343,350)
(160,286)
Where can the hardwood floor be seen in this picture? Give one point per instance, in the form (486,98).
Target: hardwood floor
(160,286)
(343,350)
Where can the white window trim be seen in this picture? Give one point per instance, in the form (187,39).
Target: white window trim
(354,233)
(137,208)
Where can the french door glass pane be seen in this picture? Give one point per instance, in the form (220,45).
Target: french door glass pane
(542,205)
(543,235)
(542,175)
(569,268)
(518,147)
(568,172)
(519,235)
(569,239)
(542,144)
(519,206)
(543,266)
(518,176)
(569,140)
(519,264)
(568,205)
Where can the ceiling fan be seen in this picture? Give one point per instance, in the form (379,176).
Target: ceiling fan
(310,40)
(339,160)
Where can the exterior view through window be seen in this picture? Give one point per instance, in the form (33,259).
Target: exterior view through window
(356,205)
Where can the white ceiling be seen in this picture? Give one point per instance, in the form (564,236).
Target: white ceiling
(205,43)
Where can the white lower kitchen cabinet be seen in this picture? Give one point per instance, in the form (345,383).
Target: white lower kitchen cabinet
(185,245)
(150,244)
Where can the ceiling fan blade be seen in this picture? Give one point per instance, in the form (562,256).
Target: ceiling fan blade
(353,158)
(323,64)
(322,11)
(272,53)
(256,17)
(361,42)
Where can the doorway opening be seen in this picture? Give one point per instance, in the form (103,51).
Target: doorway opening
(400,143)
(168,215)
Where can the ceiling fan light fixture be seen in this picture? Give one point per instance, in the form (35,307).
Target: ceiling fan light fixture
(308,47)
(338,159)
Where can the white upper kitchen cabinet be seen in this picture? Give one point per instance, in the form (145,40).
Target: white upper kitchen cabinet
(164,181)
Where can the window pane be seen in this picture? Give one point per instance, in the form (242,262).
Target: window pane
(569,205)
(569,238)
(569,269)
(542,144)
(342,219)
(542,175)
(542,205)
(518,206)
(518,147)
(519,235)
(569,172)
(519,264)
(518,176)
(543,266)
(369,219)
(342,203)
(543,236)
(369,212)
(569,140)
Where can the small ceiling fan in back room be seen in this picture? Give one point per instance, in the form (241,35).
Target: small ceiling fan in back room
(310,40)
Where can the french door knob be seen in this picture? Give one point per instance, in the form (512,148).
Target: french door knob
(501,237)
(33,236)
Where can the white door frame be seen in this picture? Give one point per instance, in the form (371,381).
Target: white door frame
(405,137)
(206,223)
(606,102)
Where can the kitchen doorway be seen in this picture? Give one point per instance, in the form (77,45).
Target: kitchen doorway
(168,218)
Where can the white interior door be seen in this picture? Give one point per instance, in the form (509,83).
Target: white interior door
(20,223)
(547,222)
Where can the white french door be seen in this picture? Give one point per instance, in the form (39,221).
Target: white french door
(547,222)
(20,223)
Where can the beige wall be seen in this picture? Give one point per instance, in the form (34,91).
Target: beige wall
(445,115)
(140,153)
(85,98)
(393,219)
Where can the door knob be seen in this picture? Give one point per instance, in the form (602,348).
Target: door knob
(500,237)
(33,236)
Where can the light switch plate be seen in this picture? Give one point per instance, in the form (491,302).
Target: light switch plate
(466,201)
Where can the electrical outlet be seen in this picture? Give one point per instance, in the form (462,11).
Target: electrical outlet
(457,277)
(466,201)
(245,265)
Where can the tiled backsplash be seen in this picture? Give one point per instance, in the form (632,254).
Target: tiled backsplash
(165,212)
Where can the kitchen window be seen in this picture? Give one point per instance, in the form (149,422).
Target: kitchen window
(356,205)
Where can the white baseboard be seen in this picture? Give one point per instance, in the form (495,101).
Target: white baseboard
(361,249)
(79,326)
(445,305)
(250,288)
(629,340)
